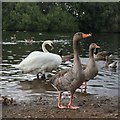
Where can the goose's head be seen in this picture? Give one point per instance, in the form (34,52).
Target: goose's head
(79,35)
(113,64)
(93,46)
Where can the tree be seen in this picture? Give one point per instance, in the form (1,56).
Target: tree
(61,17)
(61,21)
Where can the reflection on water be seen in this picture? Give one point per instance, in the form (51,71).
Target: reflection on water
(22,86)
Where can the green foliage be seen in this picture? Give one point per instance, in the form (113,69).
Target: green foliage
(61,17)
(61,21)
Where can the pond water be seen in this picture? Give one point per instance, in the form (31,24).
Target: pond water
(22,86)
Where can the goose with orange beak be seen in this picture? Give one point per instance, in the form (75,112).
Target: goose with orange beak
(91,69)
(72,78)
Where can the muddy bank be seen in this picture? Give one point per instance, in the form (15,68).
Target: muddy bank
(46,107)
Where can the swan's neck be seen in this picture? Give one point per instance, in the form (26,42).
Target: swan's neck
(44,48)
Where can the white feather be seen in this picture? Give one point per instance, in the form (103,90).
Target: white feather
(40,61)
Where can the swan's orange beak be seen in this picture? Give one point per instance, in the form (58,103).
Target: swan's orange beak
(97,46)
(86,35)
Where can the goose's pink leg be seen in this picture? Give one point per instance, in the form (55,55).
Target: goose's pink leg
(59,101)
(70,103)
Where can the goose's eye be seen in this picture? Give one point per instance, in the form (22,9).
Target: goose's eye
(79,33)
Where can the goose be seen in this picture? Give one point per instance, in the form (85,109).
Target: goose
(110,63)
(13,37)
(90,69)
(72,78)
(66,57)
(113,64)
(101,55)
(29,40)
(40,62)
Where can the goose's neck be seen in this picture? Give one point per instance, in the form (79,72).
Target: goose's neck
(76,53)
(91,53)
(44,48)
(96,51)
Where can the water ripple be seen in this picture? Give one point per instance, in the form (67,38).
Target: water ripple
(22,86)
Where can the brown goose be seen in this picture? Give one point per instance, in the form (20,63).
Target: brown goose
(110,63)
(101,55)
(70,79)
(66,57)
(91,69)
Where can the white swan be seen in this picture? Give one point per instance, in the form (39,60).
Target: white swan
(40,62)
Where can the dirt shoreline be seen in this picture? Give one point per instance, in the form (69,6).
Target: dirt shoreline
(91,106)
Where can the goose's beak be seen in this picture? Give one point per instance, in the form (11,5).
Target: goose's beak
(97,46)
(86,35)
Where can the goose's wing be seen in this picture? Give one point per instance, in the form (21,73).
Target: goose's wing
(63,80)
(104,53)
(58,75)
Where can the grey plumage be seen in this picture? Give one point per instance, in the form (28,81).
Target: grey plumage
(70,79)
(91,69)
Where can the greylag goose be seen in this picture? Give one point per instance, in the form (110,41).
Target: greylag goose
(91,69)
(40,62)
(101,55)
(13,37)
(113,64)
(29,40)
(70,79)
(110,63)
(66,57)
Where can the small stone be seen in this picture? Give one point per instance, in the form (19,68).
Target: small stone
(116,115)
(99,105)
(92,104)
(110,111)
(94,114)
(40,98)
(85,110)
(28,116)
